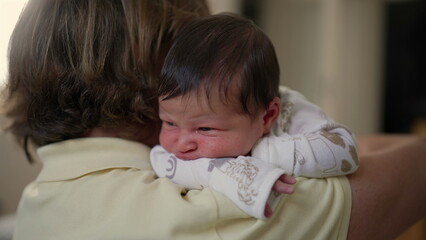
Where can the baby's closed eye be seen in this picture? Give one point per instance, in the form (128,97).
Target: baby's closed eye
(205,129)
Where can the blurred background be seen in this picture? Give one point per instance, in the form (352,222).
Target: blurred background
(362,61)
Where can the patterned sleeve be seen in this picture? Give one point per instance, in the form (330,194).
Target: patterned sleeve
(246,181)
(193,174)
(306,142)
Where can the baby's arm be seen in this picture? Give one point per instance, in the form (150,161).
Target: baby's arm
(311,145)
(194,174)
(248,182)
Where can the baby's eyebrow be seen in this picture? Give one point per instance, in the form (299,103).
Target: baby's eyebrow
(203,119)
(209,120)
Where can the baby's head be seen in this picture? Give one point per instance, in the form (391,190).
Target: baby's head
(218,89)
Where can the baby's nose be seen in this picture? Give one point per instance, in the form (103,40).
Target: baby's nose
(186,144)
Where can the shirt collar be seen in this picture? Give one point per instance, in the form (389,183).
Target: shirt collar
(74,158)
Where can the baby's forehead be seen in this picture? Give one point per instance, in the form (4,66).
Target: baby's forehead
(216,99)
(197,106)
(216,94)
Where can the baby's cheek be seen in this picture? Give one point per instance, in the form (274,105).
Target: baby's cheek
(162,138)
(214,148)
(166,141)
(244,145)
(224,148)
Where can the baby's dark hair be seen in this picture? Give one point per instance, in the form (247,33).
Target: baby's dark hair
(216,52)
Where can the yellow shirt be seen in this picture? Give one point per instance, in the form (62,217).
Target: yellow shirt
(104,188)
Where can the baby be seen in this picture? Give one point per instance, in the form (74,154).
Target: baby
(228,125)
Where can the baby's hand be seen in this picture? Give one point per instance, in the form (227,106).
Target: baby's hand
(282,185)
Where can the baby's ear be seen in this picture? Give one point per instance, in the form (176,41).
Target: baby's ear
(271,114)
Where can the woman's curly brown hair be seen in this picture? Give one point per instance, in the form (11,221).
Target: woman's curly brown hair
(79,64)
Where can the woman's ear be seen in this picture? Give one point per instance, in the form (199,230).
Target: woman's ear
(271,114)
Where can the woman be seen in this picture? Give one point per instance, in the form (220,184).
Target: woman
(82,84)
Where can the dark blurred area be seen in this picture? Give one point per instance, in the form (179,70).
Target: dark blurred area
(405,66)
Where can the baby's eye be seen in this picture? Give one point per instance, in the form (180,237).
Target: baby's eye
(205,129)
(171,124)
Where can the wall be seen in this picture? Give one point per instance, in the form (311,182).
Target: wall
(331,50)
(15,172)
(217,6)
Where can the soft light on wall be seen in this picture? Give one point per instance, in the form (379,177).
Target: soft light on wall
(9,13)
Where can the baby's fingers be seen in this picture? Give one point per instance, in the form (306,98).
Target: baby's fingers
(282,187)
(287,179)
(268,211)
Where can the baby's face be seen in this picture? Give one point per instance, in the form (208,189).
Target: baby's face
(193,129)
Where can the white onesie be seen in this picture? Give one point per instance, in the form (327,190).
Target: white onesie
(303,142)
